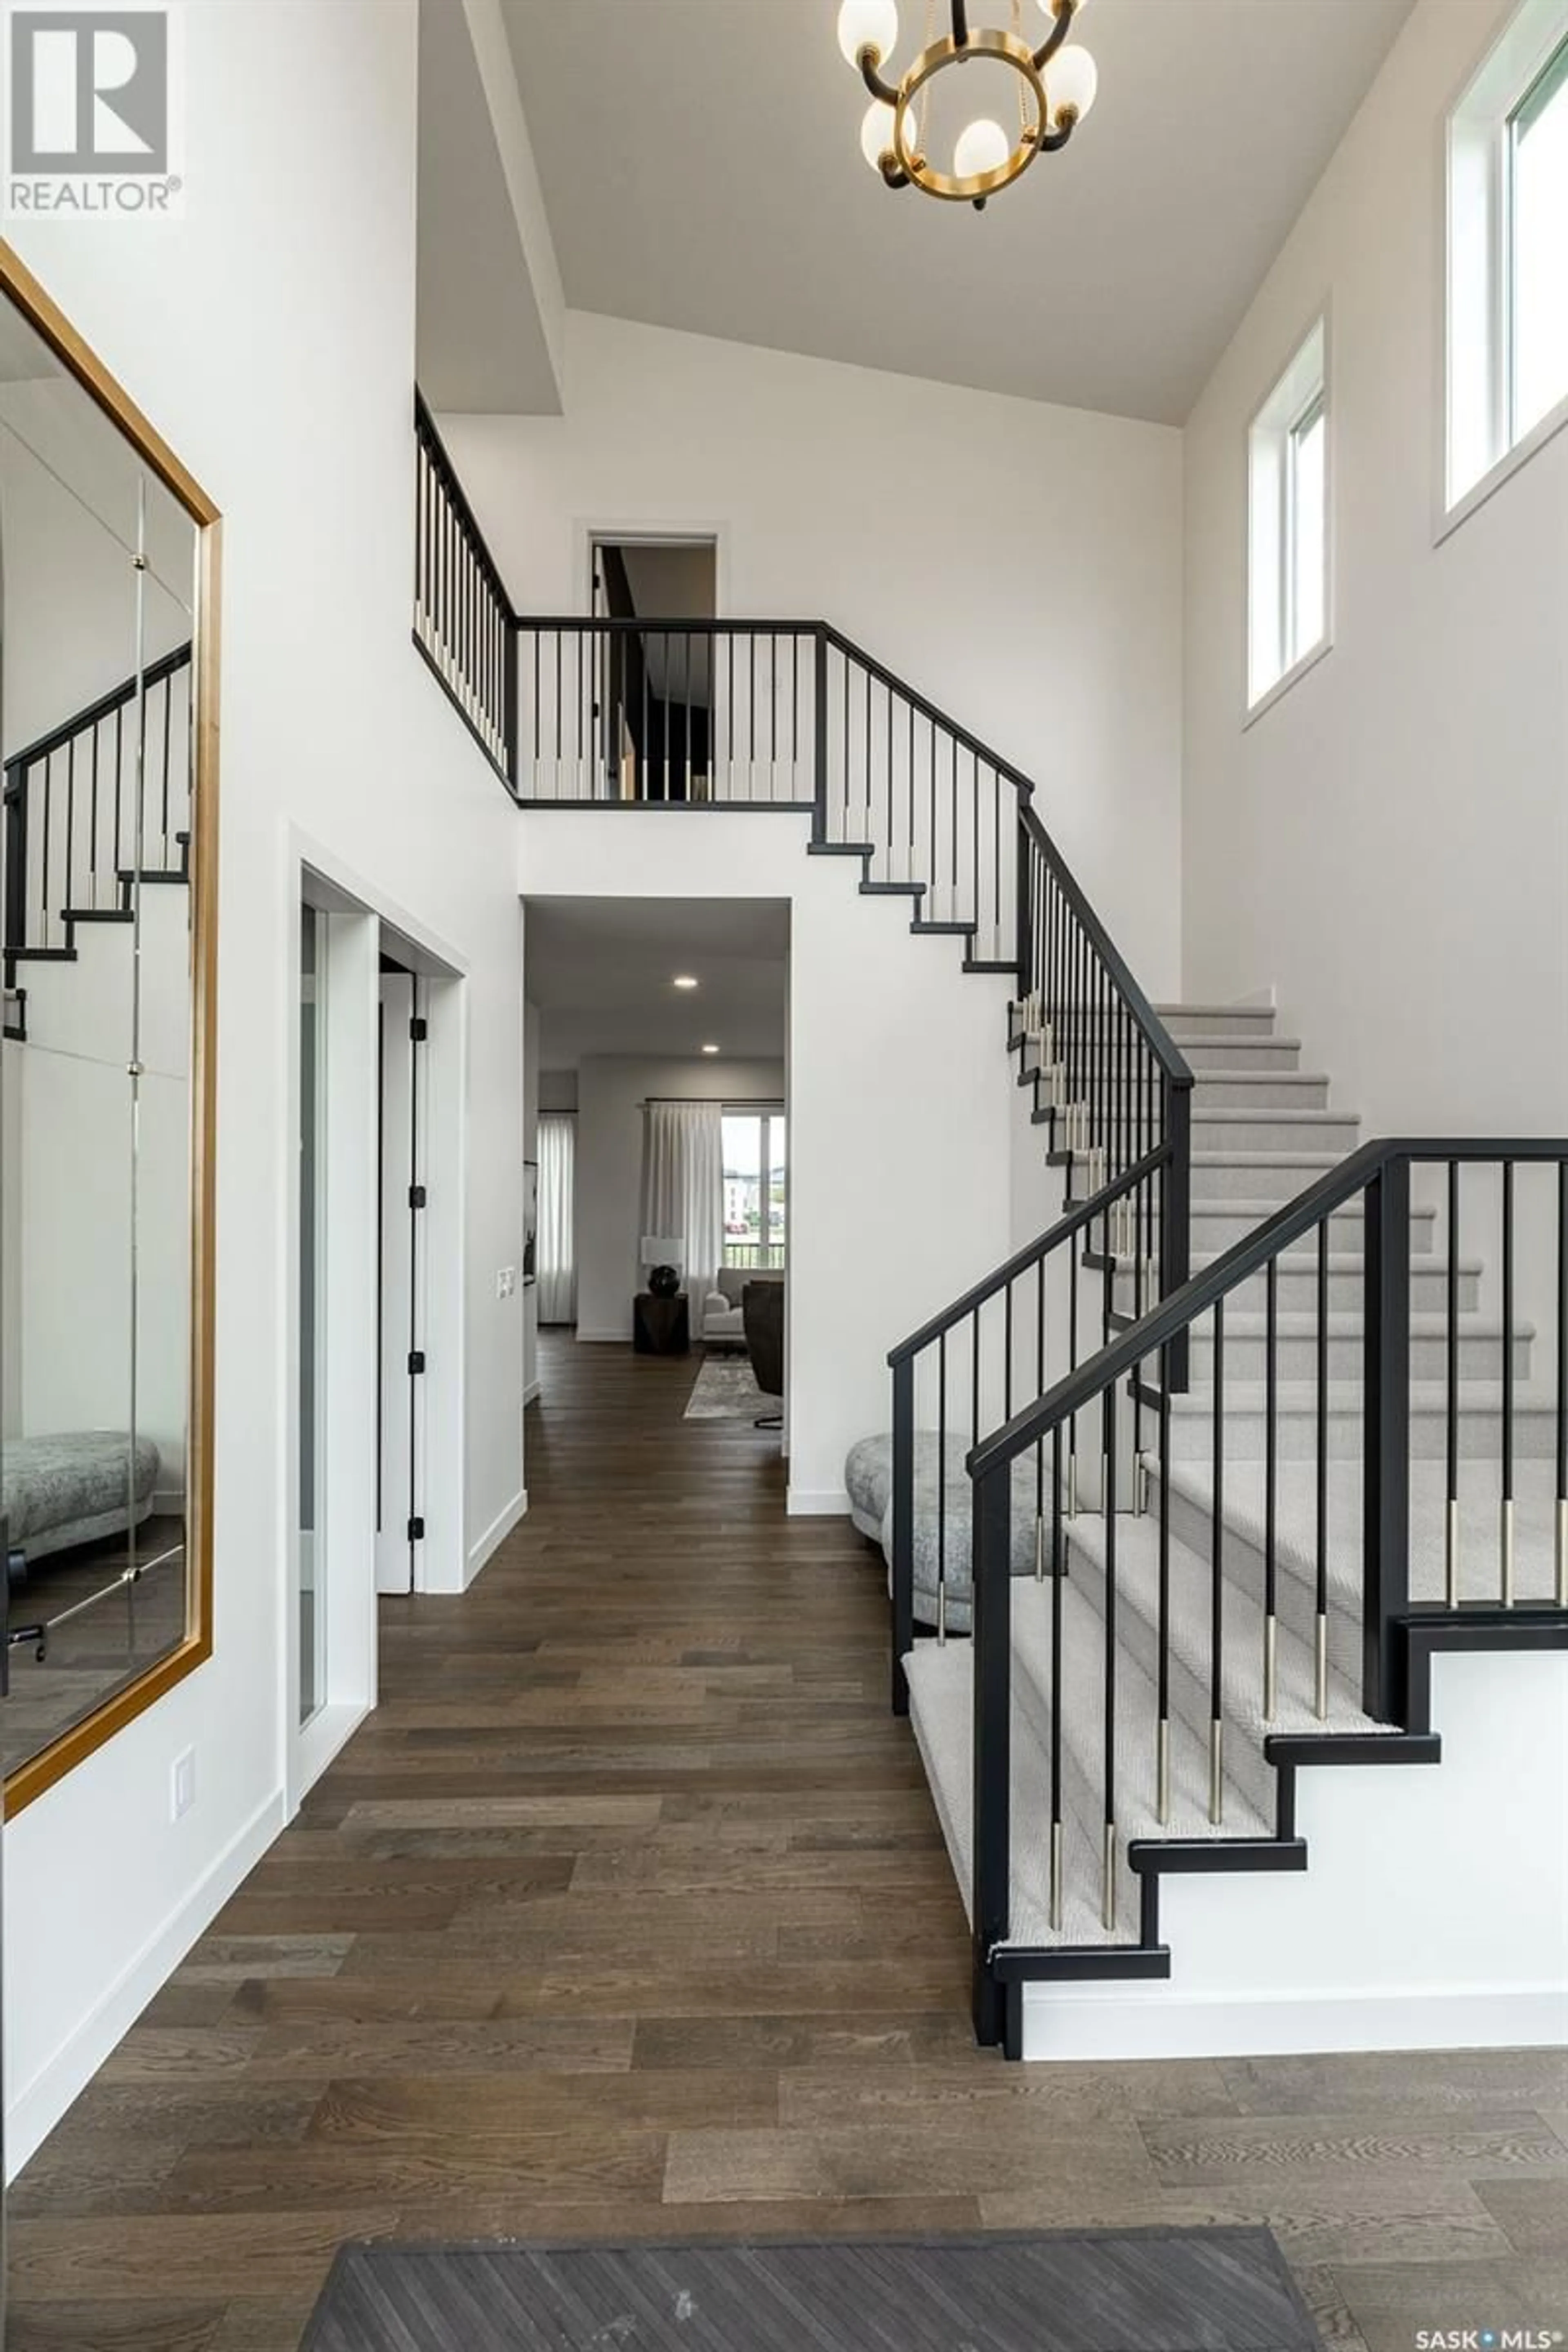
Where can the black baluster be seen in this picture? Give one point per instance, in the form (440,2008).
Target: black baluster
(71,821)
(1216,1580)
(92,806)
(1452,1365)
(1321,1679)
(1505,1529)
(167,706)
(942,1475)
(1562,1512)
(1162,1730)
(1270,1487)
(1108,1867)
(1057,1582)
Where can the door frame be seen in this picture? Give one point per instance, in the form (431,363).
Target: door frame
(360,917)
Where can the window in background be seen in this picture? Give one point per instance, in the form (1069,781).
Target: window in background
(1508,228)
(1287,522)
(1538,288)
(756,1187)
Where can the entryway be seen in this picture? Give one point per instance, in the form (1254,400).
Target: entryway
(375,1456)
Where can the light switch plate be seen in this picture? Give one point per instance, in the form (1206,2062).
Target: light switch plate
(183,1785)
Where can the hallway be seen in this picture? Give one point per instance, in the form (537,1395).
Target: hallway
(626,1914)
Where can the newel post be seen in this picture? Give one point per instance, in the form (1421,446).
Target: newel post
(1385,1528)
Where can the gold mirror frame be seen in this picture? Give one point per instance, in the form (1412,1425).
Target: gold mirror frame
(82,1739)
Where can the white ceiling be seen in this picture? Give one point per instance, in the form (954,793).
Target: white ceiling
(701,169)
(600,971)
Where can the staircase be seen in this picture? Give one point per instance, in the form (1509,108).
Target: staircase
(93,811)
(1120,1645)
(1210,1470)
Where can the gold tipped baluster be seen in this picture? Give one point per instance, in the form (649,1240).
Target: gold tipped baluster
(1039,1546)
(1162,1771)
(1107,1881)
(1320,1669)
(1451,1555)
(1057,1876)
(1270,1667)
(1505,1533)
(1217,1772)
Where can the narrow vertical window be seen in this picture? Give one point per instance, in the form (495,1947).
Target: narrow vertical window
(1507,233)
(1287,521)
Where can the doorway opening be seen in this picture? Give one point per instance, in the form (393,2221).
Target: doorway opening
(654,685)
(376,1429)
(659,1095)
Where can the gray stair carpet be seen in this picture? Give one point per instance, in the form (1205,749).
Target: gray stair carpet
(1262,1130)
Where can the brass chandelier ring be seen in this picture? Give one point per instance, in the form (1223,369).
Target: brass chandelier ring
(972,187)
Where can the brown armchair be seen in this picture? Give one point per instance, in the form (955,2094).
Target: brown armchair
(763,1311)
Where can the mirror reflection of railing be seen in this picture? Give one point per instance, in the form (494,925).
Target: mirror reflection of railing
(75,837)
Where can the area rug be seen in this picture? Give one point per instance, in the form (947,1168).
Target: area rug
(726,1390)
(1222,2290)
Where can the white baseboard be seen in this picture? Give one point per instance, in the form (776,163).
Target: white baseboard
(496,1534)
(1070,2021)
(605,1339)
(532,1393)
(168,1503)
(810,1503)
(38,2108)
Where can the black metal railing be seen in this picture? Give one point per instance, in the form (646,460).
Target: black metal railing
(102,797)
(962,1371)
(1417,1424)
(464,624)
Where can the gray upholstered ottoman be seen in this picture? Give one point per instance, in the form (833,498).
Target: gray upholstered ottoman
(941,1536)
(74,1487)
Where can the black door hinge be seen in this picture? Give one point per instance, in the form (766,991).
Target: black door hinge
(417,1196)
(416,1359)
(419,1029)
(416,1530)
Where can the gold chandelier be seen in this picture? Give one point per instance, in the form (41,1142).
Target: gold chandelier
(1055,84)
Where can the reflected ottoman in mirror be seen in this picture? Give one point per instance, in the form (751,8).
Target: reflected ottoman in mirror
(105,1309)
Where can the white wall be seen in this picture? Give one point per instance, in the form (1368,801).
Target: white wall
(1018,564)
(330,720)
(1457,1875)
(1387,846)
(900,1095)
(610,1091)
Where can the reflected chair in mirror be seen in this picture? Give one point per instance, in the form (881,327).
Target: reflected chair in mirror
(763,1309)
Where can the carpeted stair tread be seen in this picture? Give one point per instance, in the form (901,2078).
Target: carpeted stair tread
(941,1701)
(1534,1542)
(1241,1649)
(1137,1712)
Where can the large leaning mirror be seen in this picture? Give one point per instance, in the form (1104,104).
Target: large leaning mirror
(108,658)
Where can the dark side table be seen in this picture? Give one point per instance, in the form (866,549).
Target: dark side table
(660,1327)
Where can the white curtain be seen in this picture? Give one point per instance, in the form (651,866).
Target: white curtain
(683,1185)
(557,1247)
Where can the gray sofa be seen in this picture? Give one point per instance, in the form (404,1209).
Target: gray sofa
(75,1486)
(723,1323)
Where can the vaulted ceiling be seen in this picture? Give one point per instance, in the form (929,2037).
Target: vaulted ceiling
(701,169)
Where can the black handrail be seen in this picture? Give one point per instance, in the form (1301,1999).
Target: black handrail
(1074,1220)
(1172,1316)
(1169,1055)
(117,699)
(1379,1177)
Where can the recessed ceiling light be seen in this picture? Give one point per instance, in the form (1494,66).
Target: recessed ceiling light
(683,980)
(710,1049)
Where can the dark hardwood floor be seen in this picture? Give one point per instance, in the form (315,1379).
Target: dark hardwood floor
(627,1915)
